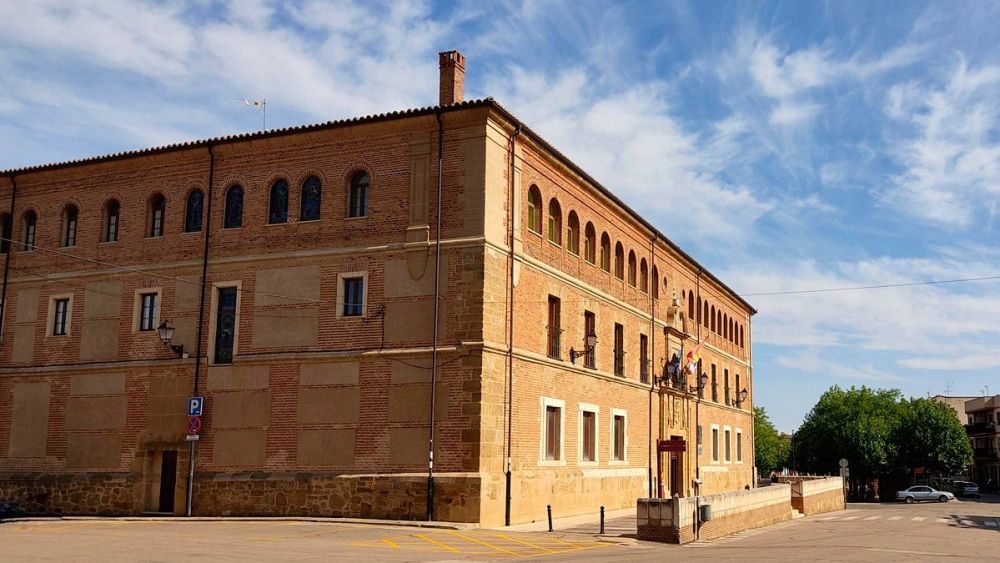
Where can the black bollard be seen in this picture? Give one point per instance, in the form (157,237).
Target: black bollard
(602,520)
(549,508)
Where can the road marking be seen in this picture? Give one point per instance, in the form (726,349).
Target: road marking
(510,539)
(390,543)
(918,518)
(489,545)
(828,518)
(851,518)
(942,520)
(894,518)
(873,518)
(435,542)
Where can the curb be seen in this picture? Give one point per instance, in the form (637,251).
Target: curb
(183,519)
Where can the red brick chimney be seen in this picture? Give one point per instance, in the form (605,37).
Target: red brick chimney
(452,64)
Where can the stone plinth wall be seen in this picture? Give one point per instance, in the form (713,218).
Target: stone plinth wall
(818,495)
(673,520)
(397,497)
(789,479)
(104,494)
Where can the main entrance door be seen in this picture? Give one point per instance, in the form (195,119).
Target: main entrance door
(168,481)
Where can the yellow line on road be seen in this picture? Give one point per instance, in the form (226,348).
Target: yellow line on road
(474,540)
(503,537)
(437,543)
(391,543)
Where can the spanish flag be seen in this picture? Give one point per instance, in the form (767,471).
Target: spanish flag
(693,355)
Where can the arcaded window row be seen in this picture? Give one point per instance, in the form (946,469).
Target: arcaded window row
(715,320)
(194,212)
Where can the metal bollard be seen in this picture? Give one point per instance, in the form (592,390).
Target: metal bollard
(549,508)
(602,520)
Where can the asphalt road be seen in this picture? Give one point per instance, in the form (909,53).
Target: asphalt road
(895,532)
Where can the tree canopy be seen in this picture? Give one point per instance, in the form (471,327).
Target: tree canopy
(770,448)
(879,432)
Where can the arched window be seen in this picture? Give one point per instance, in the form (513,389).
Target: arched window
(690,298)
(724,329)
(631,268)
(312,196)
(555,221)
(718,320)
(357,200)
(619,261)
(193,211)
(573,233)
(70,218)
(655,288)
(590,243)
(277,206)
(6,230)
(705,317)
(643,276)
(30,224)
(534,210)
(157,211)
(605,252)
(233,217)
(741,337)
(112,215)
(712,319)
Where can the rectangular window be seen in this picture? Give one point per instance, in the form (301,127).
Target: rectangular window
(643,358)
(354,297)
(156,223)
(553,416)
(554,329)
(60,321)
(697,378)
(589,436)
(618,447)
(111,233)
(725,378)
(736,392)
(727,436)
(29,236)
(715,386)
(225,325)
(739,445)
(589,327)
(147,311)
(70,237)
(715,444)
(619,350)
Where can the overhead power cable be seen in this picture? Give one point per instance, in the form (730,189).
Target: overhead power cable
(864,287)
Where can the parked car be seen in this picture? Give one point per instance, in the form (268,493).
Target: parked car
(966,489)
(923,492)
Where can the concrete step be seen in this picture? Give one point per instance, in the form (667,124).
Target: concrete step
(796,514)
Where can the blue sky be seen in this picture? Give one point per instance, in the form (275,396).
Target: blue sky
(788,145)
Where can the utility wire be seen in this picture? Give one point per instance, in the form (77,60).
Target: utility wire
(864,287)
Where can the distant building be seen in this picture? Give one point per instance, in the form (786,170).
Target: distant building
(984,432)
(302,270)
(957,404)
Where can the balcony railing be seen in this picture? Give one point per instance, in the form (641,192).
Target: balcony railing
(987,453)
(980,428)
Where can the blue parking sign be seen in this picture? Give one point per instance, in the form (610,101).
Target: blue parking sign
(195,405)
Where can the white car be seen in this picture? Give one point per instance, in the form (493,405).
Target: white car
(923,492)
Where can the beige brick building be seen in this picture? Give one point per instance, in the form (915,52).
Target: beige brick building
(298,268)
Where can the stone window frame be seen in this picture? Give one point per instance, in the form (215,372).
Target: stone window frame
(340,294)
(51,315)
(213,318)
(596,411)
(727,444)
(612,439)
(714,429)
(739,446)
(137,308)
(546,402)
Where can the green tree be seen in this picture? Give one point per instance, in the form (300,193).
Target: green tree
(770,448)
(857,424)
(932,437)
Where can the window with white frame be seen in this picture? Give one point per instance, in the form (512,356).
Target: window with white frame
(727,444)
(739,445)
(148,310)
(352,299)
(552,430)
(618,435)
(60,313)
(588,432)
(715,443)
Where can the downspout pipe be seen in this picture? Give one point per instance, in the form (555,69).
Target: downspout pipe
(651,355)
(10,250)
(510,328)
(437,301)
(697,420)
(189,505)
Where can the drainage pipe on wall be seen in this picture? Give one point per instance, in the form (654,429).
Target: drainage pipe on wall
(650,355)
(189,504)
(510,325)
(437,299)
(10,250)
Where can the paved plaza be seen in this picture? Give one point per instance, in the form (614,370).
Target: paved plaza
(962,530)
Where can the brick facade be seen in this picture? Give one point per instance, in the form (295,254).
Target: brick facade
(322,413)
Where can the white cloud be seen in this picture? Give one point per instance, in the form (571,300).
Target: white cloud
(792,113)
